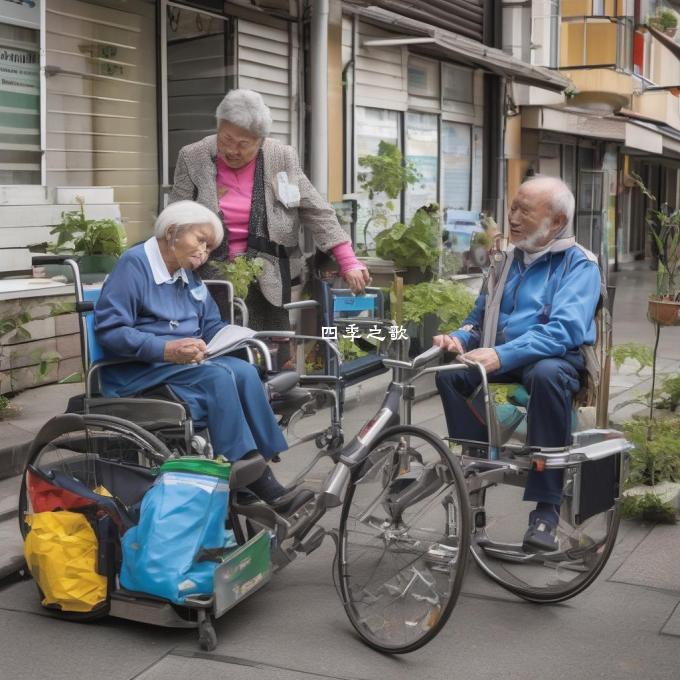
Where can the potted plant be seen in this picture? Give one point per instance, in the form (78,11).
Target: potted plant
(387,174)
(97,244)
(413,247)
(665,21)
(433,307)
(664,307)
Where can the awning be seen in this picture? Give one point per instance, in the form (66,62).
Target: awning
(630,131)
(458,48)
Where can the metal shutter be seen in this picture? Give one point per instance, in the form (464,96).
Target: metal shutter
(380,71)
(267,59)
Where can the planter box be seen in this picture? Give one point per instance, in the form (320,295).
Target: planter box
(51,353)
(668,492)
(663,312)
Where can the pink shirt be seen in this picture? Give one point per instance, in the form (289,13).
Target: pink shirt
(235,195)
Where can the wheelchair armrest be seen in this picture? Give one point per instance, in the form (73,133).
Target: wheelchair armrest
(94,369)
(301,304)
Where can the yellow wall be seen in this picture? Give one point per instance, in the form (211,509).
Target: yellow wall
(600,36)
(583,8)
(335,112)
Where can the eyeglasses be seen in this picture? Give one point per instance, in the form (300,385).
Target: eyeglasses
(240,144)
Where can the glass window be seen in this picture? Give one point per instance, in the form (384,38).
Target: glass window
(423,77)
(373,126)
(456,166)
(19,105)
(200,49)
(457,84)
(422,149)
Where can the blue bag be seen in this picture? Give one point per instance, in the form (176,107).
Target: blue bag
(174,550)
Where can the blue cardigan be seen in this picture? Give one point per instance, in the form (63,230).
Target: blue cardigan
(135,317)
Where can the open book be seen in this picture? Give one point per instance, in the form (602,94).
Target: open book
(228,339)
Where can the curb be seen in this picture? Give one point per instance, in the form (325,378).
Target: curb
(13,459)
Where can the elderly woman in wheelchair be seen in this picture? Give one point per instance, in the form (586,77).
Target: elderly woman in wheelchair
(155,312)
(528,328)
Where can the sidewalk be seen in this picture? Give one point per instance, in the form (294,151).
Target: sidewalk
(625,626)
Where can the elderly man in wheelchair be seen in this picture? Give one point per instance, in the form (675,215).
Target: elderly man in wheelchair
(154,312)
(528,327)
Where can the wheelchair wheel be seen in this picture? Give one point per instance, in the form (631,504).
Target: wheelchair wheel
(540,577)
(97,451)
(404,538)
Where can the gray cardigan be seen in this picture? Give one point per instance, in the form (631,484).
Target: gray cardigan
(196,179)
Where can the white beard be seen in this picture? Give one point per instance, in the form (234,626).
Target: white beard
(529,244)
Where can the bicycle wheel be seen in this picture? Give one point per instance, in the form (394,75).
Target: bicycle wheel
(87,448)
(540,577)
(404,538)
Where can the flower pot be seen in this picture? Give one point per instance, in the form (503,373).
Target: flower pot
(94,268)
(670,32)
(663,312)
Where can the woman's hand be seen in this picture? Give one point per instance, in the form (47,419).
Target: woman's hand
(357,280)
(184,351)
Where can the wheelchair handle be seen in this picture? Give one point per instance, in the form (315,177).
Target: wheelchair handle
(50,259)
(301,304)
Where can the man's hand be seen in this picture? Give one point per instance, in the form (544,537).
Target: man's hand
(448,343)
(357,280)
(484,355)
(184,351)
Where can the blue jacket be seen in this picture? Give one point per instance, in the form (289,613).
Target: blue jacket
(547,309)
(135,316)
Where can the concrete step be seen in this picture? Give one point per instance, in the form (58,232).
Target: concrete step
(12,552)
(9,497)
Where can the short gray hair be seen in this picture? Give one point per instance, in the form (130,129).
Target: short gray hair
(245,109)
(185,214)
(561,198)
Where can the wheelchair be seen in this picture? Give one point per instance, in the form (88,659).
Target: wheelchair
(594,468)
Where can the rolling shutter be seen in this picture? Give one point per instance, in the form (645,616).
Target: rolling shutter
(267,59)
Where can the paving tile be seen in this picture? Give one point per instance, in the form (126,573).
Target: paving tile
(654,562)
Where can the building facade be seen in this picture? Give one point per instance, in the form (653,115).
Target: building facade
(619,118)
(111,89)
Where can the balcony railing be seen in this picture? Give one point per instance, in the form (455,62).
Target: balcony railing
(596,42)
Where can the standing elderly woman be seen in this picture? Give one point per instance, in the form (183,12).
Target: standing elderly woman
(257,187)
(155,309)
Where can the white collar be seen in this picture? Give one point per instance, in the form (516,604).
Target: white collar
(557,245)
(158,267)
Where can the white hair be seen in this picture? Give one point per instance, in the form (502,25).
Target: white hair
(561,199)
(245,109)
(186,214)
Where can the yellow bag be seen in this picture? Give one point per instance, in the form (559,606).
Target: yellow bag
(61,554)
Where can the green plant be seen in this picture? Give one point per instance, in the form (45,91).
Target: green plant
(12,327)
(450,301)
(656,456)
(387,173)
(649,508)
(241,272)
(664,227)
(635,351)
(76,235)
(415,245)
(665,19)
(349,349)
(670,393)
